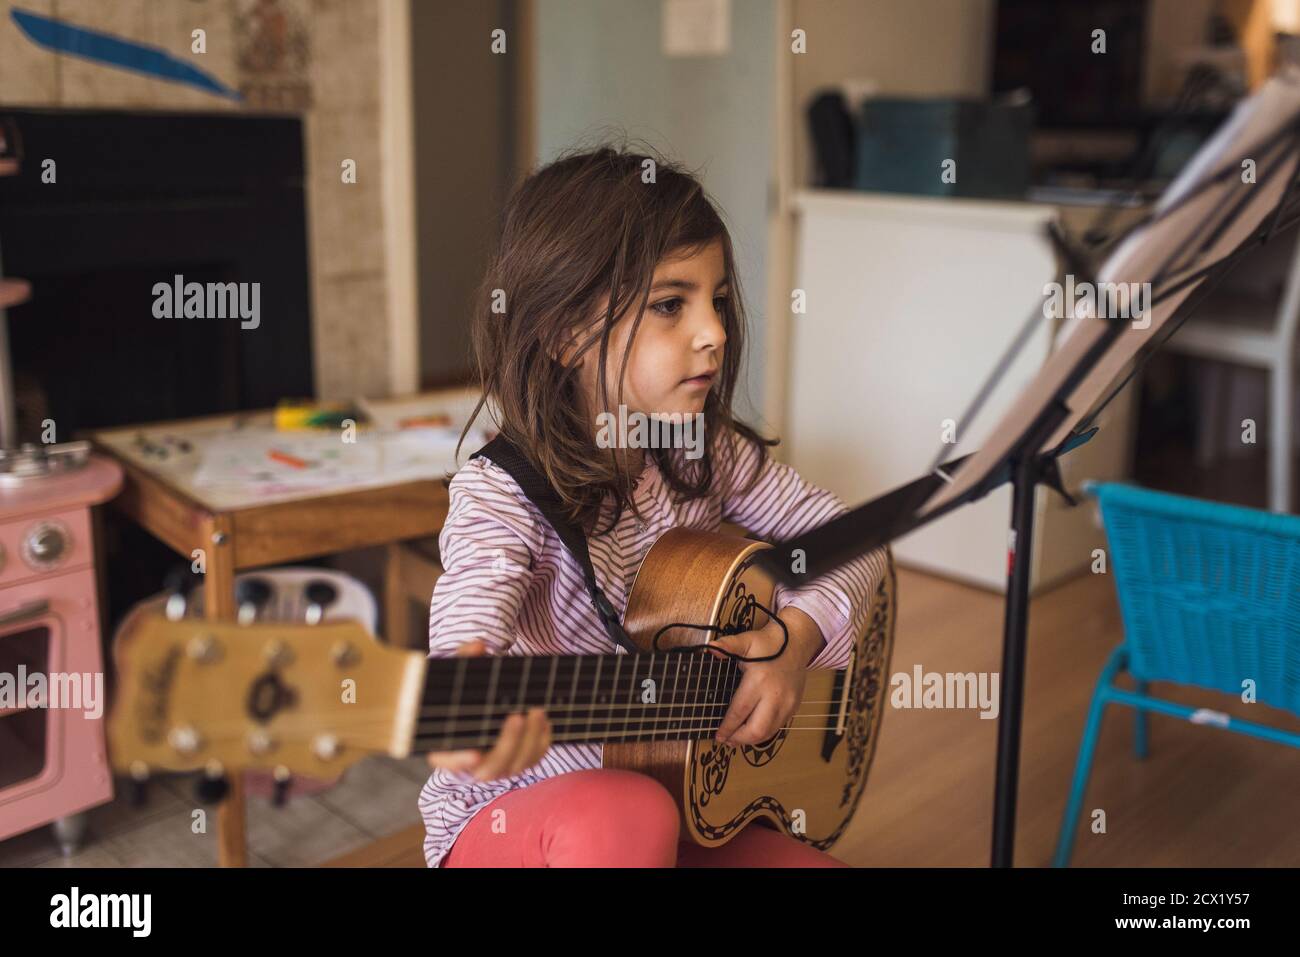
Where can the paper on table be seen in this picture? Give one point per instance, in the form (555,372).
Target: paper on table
(1139,258)
(245,458)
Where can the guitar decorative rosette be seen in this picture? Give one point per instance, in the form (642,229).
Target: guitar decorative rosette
(808,778)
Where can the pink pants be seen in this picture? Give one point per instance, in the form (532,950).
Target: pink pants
(609,818)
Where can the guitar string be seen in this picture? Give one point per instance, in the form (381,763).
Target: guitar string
(519,707)
(384,715)
(443,683)
(525,705)
(422,743)
(717,711)
(673,724)
(312,725)
(609,736)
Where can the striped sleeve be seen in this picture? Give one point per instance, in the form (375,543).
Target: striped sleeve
(487,546)
(780,505)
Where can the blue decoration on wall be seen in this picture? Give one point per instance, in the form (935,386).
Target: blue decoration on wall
(114,51)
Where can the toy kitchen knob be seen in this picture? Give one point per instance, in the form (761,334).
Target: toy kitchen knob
(46,545)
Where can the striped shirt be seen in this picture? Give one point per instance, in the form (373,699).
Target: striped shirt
(509,581)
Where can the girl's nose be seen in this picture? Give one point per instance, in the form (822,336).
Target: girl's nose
(709,331)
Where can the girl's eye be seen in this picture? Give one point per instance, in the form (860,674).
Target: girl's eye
(670,307)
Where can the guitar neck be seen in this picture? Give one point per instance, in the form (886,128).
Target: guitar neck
(588,698)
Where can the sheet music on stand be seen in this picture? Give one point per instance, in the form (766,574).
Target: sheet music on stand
(1211,193)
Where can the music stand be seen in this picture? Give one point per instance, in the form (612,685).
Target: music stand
(1207,219)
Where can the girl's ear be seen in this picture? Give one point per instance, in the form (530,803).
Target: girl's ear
(578,334)
(572,340)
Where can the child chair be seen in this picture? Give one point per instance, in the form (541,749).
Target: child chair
(1209,596)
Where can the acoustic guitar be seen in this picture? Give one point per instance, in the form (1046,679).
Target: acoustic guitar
(194,694)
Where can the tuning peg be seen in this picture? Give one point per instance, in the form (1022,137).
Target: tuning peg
(320,595)
(283,778)
(138,784)
(211,788)
(180,581)
(252,593)
(1096,237)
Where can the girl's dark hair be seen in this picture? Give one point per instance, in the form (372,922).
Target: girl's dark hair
(587,225)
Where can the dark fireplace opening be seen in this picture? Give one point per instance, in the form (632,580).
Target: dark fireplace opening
(136,199)
(72,374)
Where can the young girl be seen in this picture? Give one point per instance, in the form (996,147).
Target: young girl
(613,268)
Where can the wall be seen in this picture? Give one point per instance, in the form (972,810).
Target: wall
(599,68)
(464,150)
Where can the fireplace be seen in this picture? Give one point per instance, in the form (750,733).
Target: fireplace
(137,199)
(109,204)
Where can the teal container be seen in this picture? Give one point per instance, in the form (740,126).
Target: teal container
(903,144)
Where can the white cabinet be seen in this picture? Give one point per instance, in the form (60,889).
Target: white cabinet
(911,302)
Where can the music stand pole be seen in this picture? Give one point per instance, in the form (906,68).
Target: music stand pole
(1027,470)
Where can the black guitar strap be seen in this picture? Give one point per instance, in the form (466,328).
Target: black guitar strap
(539,491)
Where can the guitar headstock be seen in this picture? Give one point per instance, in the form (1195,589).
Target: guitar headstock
(311,699)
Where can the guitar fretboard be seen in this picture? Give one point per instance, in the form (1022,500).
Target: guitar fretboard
(645,697)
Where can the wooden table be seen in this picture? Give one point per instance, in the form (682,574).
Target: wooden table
(236,534)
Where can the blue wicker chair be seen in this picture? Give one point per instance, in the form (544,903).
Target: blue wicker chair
(1210,596)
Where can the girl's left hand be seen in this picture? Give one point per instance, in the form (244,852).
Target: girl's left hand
(769,692)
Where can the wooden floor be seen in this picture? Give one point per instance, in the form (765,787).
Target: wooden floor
(402,849)
(1203,797)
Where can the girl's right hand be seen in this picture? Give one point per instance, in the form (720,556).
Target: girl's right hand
(522,742)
